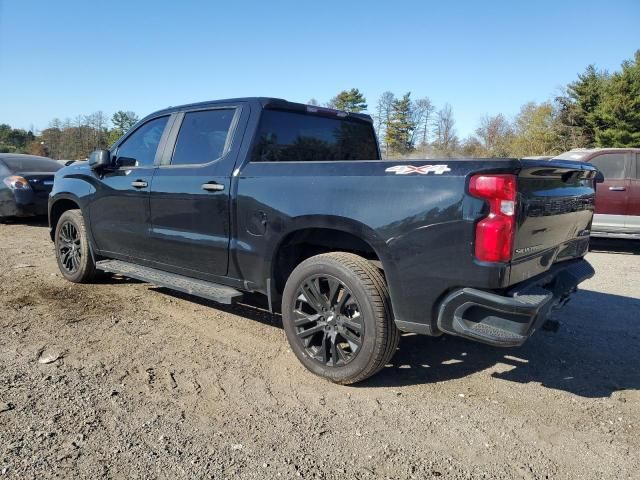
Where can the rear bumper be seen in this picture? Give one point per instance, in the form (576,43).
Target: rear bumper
(508,320)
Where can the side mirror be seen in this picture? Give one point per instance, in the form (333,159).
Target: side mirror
(100,159)
(599,177)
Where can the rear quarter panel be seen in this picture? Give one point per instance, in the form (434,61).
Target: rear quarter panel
(420,225)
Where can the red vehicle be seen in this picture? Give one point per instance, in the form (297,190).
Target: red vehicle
(618,197)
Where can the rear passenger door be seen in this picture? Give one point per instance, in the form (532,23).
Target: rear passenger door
(190,192)
(612,195)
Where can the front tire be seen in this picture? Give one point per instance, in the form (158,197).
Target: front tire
(73,252)
(337,317)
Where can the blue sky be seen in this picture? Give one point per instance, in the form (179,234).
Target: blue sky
(64,58)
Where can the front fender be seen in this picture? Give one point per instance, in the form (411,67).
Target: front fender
(69,187)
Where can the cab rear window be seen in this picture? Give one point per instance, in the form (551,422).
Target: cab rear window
(285,136)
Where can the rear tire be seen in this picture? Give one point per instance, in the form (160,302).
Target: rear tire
(73,251)
(337,317)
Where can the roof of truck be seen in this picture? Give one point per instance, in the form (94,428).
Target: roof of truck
(271,102)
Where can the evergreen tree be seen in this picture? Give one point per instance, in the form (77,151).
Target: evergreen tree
(401,126)
(577,111)
(618,114)
(349,101)
(122,121)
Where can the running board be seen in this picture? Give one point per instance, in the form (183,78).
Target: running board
(199,288)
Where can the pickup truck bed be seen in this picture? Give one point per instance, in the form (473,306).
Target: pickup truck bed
(351,248)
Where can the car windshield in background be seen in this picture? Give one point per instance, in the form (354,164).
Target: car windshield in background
(31,164)
(286,136)
(577,156)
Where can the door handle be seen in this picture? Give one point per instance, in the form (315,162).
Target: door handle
(213,187)
(617,189)
(139,184)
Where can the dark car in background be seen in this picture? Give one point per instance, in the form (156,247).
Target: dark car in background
(25,183)
(617,213)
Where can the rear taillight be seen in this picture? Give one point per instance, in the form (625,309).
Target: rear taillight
(16,182)
(494,234)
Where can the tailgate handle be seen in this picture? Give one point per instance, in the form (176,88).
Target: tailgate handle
(617,189)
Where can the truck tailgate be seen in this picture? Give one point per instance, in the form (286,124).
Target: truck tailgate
(554,211)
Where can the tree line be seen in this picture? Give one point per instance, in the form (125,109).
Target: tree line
(598,109)
(68,139)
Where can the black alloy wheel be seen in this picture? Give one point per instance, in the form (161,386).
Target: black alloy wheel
(73,251)
(337,316)
(328,320)
(69,247)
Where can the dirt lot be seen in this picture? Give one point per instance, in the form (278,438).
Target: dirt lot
(149,384)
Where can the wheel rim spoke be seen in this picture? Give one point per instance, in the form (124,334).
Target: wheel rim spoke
(351,338)
(334,289)
(334,351)
(356,327)
(324,348)
(344,300)
(342,355)
(305,319)
(313,296)
(310,331)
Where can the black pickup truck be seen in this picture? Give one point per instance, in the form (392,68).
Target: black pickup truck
(294,202)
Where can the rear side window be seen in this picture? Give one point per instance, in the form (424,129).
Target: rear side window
(285,136)
(140,147)
(31,164)
(611,165)
(203,136)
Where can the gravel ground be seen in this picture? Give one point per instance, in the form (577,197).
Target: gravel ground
(124,380)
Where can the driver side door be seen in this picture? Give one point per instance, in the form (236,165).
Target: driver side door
(119,212)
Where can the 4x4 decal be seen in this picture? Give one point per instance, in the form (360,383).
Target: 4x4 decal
(422,170)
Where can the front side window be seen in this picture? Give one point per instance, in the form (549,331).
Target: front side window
(611,165)
(202,137)
(139,149)
(285,136)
